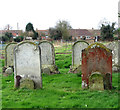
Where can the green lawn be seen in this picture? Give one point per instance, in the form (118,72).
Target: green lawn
(59,91)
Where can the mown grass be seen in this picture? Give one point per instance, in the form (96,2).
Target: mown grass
(64,49)
(59,91)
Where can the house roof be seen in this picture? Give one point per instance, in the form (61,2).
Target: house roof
(94,32)
(39,31)
(80,32)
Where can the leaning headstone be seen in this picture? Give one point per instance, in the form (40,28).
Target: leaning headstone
(48,58)
(77,56)
(97,67)
(9,56)
(27,64)
(115,47)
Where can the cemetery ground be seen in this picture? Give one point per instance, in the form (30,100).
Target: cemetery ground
(59,90)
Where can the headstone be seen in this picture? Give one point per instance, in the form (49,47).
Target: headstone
(119,55)
(96,81)
(96,58)
(115,47)
(27,63)
(9,70)
(107,81)
(9,56)
(48,58)
(77,56)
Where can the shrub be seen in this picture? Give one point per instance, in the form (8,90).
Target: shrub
(5,38)
(19,39)
(116,38)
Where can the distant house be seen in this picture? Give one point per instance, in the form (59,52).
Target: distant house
(15,33)
(95,33)
(43,34)
(80,34)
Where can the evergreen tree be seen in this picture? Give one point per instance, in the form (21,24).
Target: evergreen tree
(30,30)
(107,31)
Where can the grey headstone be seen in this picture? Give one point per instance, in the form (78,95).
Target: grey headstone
(48,56)
(115,47)
(77,55)
(9,56)
(28,62)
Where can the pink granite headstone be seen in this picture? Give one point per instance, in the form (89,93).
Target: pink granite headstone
(97,67)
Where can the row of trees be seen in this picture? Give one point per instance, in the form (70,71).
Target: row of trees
(62,31)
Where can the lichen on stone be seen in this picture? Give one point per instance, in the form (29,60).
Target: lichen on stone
(27,83)
(98,45)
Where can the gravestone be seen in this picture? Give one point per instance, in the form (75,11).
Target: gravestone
(48,58)
(27,64)
(77,56)
(115,47)
(119,55)
(9,56)
(96,59)
(96,81)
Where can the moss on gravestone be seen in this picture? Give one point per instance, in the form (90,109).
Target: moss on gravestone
(27,83)
(96,81)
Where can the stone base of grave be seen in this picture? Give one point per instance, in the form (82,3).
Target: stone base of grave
(74,69)
(50,69)
(116,68)
(27,83)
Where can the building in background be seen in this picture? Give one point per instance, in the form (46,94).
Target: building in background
(84,34)
(43,34)
(15,33)
(80,34)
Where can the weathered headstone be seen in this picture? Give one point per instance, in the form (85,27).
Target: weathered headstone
(27,64)
(96,67)
(77,56)
(9,56)
(115,47)
(96,81)
(27,83)
(48,58)
(119,55)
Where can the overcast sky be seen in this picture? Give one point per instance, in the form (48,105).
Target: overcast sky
(84,14)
